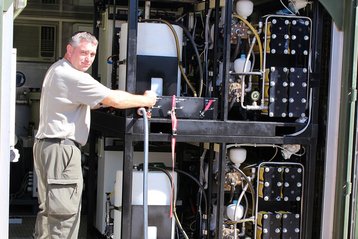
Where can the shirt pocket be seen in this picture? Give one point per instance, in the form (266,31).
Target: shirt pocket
(64,196)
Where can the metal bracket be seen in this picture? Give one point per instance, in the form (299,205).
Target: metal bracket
(347,188)
(353,95)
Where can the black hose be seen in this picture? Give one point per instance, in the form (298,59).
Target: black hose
(178,54)
(191,39)
(191,177)
(197,182)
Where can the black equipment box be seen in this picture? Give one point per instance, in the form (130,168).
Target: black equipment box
(186,108)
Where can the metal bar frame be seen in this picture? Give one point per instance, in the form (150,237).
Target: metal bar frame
(221,131)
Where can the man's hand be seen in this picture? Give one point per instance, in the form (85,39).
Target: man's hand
(152,98)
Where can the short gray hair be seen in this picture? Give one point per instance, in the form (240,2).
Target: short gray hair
(77,37)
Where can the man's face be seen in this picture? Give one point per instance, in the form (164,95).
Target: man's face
(82,56)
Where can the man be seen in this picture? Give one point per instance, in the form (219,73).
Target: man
(67,95)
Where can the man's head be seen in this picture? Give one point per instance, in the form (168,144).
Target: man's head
(81,50)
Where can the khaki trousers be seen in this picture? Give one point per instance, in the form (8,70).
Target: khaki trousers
(60,183)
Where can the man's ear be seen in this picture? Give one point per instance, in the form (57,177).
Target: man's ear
(69,49)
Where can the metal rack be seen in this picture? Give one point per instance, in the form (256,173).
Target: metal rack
(222,132)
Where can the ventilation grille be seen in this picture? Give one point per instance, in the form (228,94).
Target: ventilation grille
(35,43)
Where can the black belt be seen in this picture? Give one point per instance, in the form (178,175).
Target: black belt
(61,141)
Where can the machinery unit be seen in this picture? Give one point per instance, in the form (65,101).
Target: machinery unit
(235,105)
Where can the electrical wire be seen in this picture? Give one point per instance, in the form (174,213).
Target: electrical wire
(202,172)
(114,61)
(23,187)
(246,206)
(232,193)
(200,65)
(243,89)
(194,27)
(308,121)
(240,198)
(200,226)
(202,190)
(180,18)
(202,21)
(174,198)
(249,87)
(242,195)
(206,48)
(255,164)
(250,186)
(284,5)
(237,49)
(191,225)
(197,182)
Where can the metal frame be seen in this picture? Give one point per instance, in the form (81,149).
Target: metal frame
(222,132)
(197,131)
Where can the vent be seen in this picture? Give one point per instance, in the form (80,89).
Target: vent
(35,43)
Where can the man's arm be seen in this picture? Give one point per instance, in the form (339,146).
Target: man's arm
(123,100)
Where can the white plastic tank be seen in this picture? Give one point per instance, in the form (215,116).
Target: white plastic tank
(239,64)
(153,39)
(244,8)
(235,211)
(159,194)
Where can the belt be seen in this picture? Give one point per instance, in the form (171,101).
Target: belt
(61,141)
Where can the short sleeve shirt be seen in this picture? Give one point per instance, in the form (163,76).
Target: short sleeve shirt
(66,98)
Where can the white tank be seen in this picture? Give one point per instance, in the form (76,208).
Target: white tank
(153,39)
(239,64)
(244,8)
(235,212)
(159,194)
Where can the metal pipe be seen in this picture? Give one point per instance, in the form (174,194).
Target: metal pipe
(143,112)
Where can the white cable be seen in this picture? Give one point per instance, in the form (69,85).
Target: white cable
(240,198)
(308,121)
(202,172)
(286,7)
(255,164)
